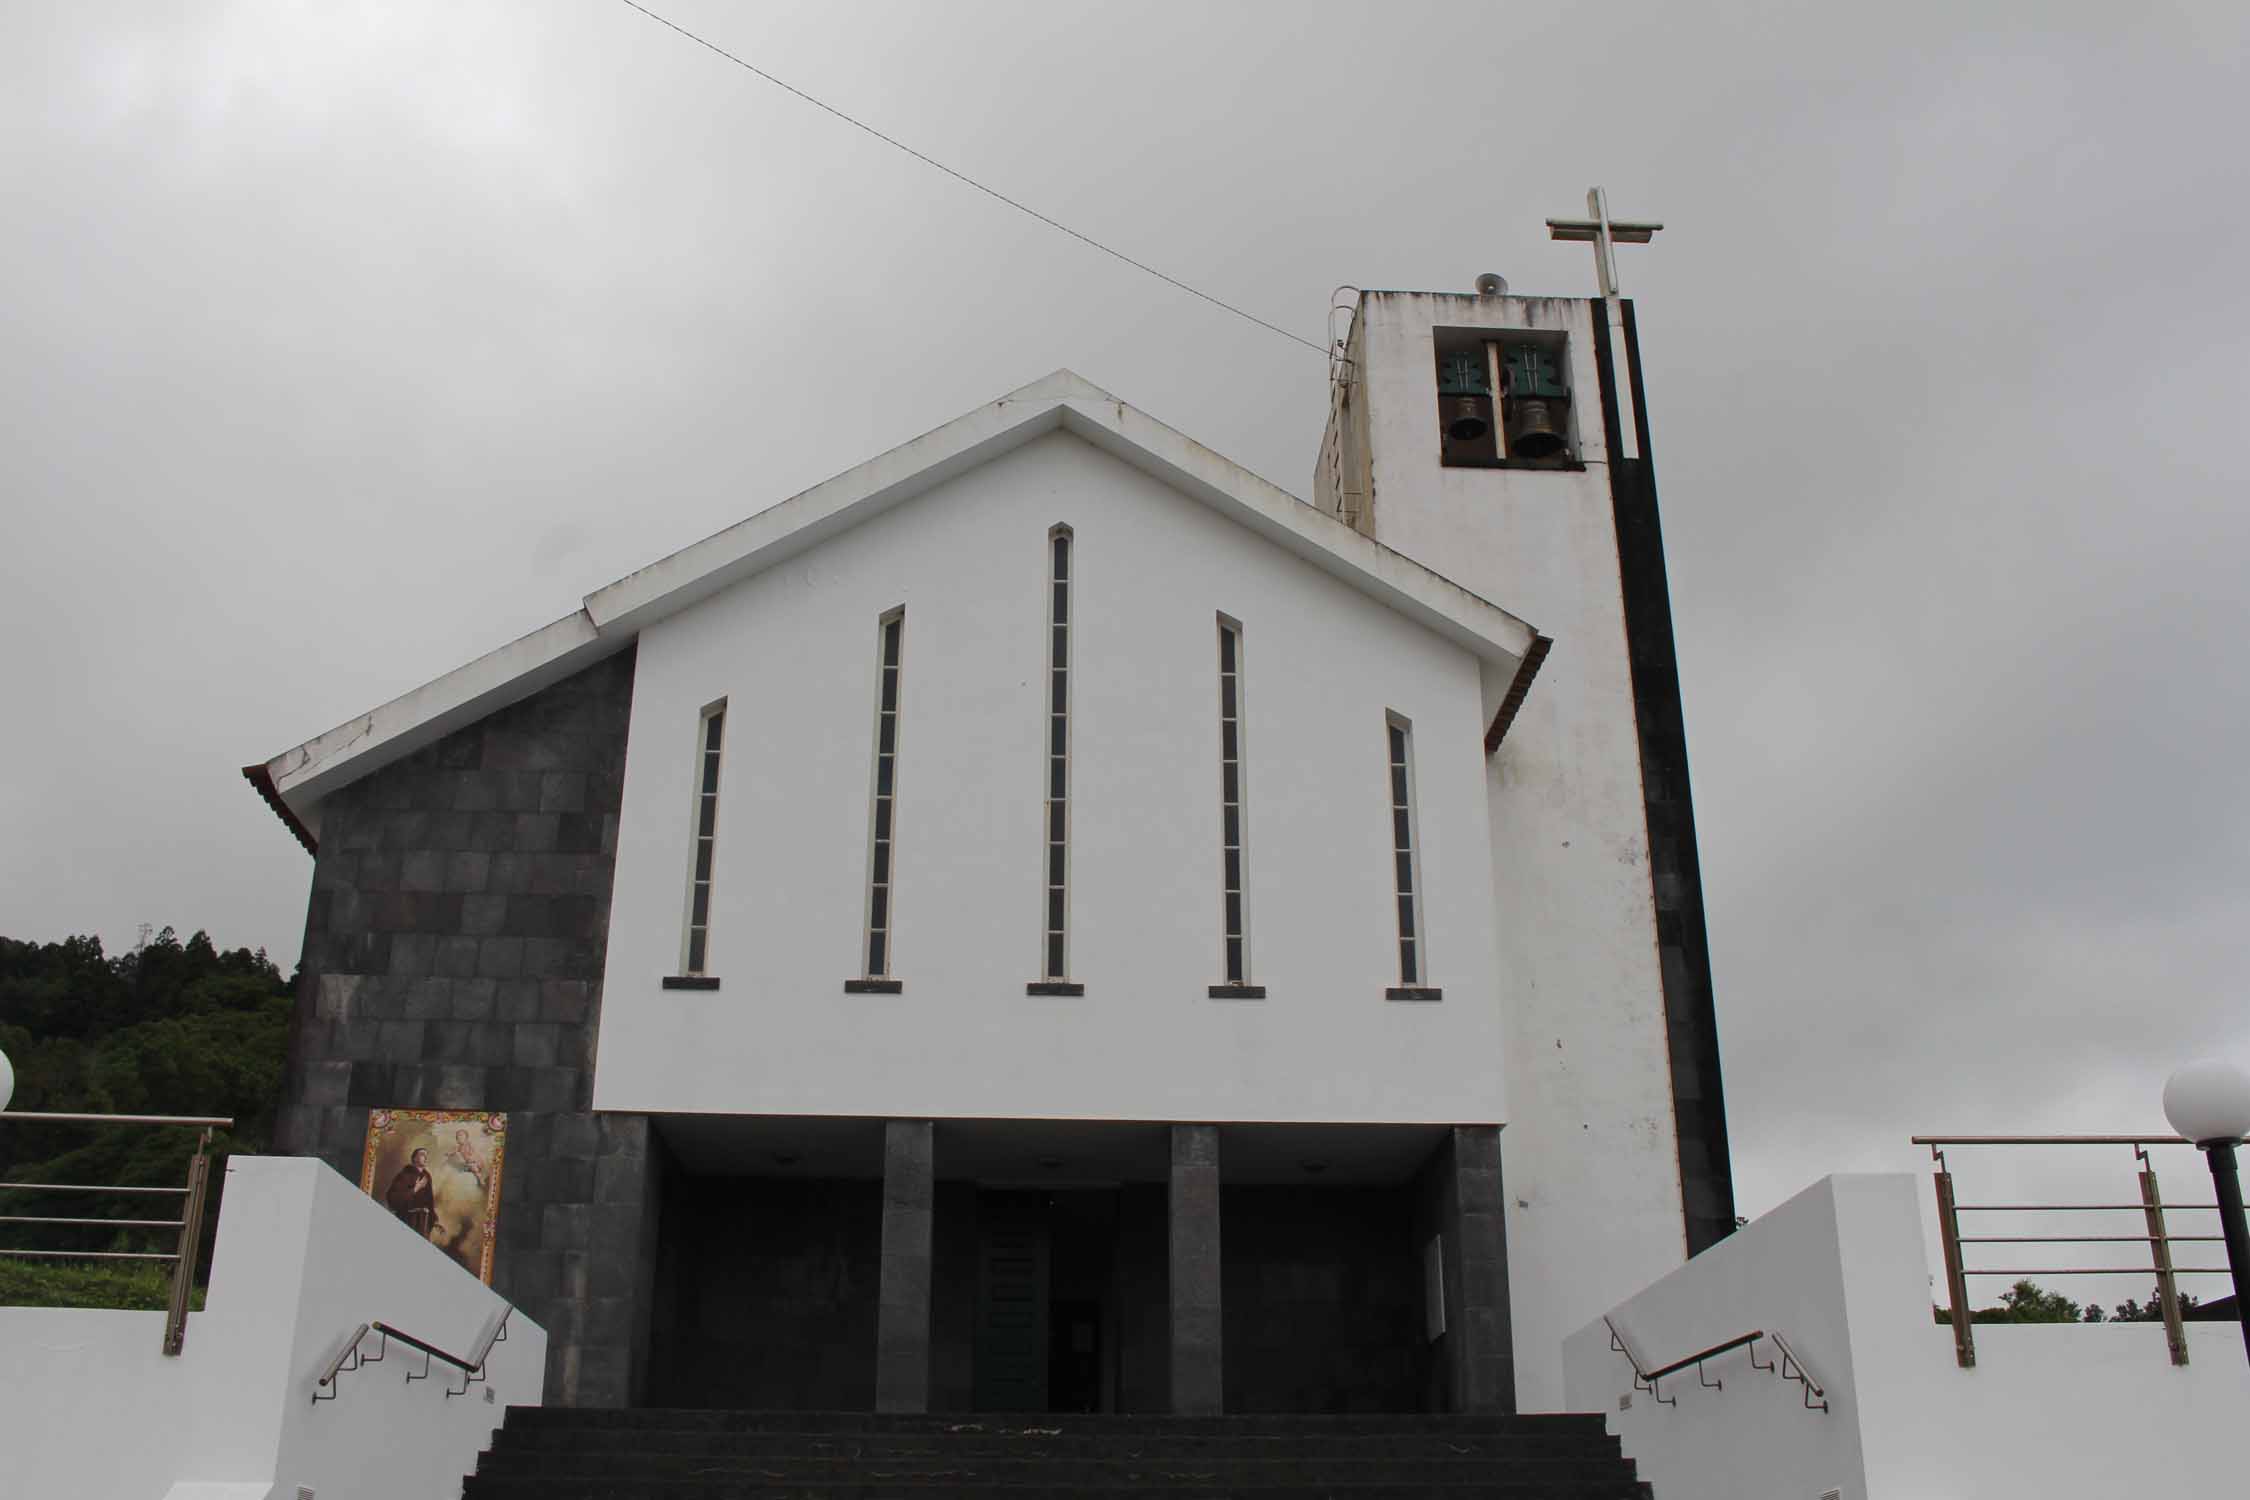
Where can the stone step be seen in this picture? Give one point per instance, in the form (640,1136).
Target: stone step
(1050,1423)
(1042,1473)
(1505,1446)
(482,1487)
(559,1453)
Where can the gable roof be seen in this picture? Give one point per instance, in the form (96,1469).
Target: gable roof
(610,618)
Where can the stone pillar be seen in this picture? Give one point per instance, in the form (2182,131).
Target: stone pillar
(1482,1355)
(620,1264)
(902,1318)
(1197,1386)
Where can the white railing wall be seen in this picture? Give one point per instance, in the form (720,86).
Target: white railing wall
(2064,1412)
(89,1405)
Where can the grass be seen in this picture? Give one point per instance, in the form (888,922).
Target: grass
(141,1285)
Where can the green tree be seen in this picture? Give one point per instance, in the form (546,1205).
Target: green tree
(172,1027)
(2151,1311)
(2025,1302)
(2028,1302)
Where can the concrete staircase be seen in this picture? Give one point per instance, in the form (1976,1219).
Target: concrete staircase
(562,1453)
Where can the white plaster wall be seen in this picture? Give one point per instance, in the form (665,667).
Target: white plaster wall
(90,1406)
(1754,1438)
(793,652)
(1590,1152)
(359,1263)
(2067,1413)
(68,1378)
(2064,1412)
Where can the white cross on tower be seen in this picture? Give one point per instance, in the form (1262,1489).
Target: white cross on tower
(1606,233)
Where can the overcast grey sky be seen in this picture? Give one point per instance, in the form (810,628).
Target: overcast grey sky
(339,345)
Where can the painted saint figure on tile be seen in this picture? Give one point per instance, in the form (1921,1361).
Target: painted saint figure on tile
(410,1196)
(438,1171)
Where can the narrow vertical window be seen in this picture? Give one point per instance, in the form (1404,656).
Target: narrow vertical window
(883,837)
(1055,955)
(710,736)
(1411,968)
(1236,955)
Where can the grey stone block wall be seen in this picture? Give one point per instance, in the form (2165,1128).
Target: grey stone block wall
(902,1321)
(1198,1374)
(1459,1198)
(1323,1300)
(453,960)
(773,1287)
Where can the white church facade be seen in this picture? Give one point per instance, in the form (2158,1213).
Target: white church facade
(1046,920)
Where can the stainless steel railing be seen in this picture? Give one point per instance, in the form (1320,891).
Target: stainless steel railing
(353,1355)
(2157,1236)
(1789,1365)
(189,1223)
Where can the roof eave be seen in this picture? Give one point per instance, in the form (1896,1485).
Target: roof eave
(302,776)
(261,777)
(613,616)
(1427,597)
(805,520)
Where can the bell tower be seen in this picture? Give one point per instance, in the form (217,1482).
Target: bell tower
(1502,440)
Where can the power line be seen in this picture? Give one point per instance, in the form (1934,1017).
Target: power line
(963,177)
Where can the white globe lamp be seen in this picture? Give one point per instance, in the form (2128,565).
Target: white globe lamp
(7,1080)
(2209,1101)
(2209,1104)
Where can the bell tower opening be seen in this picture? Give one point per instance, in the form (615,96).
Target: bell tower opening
(1505,402)
(1465,406)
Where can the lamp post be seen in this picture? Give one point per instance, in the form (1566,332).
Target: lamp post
(2209,1103)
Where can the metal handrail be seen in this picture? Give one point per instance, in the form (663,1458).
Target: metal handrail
(1641,1381)
(2159,1238)
(210,1122)
(472,1370)
(1803,1374)
(189,1223)
(82,1187)
(2098,1270)
(497,1334)
(1617,1342)
(2072,1239)
(432,1350)
(2050,1140)
(2077,1208)
(351,1352)
(1711,1353)
(1646,1380)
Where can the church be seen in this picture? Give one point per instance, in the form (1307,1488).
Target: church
(1047,921)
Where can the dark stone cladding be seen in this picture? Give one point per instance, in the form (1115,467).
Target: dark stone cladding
(902,1315)
(1321,1300)
(1683,946)
(769,1294)
(453,960)
(1459,1198)
(1196,1273)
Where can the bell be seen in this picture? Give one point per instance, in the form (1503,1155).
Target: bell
(1532,429)
(1468,422)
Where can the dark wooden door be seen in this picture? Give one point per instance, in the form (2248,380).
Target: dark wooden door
(1012,1276)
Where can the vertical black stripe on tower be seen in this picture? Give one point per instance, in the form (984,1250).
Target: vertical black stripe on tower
(1675,874)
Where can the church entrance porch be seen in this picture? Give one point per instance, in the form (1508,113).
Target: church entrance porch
(1046,1334)
(1057,1266)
